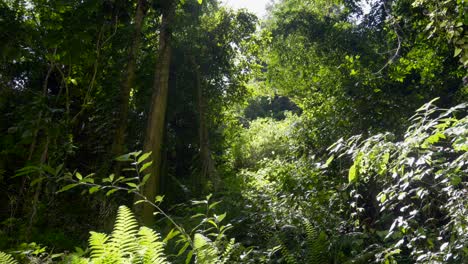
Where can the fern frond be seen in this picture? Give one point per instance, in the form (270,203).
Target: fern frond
(228,250)
(316,245)
(288,257)
(124,236)
(97,244)
(127,244)
(205,251)
(151,248)
(7,258)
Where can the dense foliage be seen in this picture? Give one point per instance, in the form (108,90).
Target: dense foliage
(182,131)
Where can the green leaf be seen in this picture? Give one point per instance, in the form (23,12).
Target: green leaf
(145,166)
(189,257)
(125,157)
(455,180)
(435,138)
(174,232)
(135,154)
(329,160)
(457,52)
(79,250)
(352,175)
(143,157)
(36,181)
(200,1)
(220,218)
(383,198)
(79,176)
(26,170)
(213,205)
(197,215)
(145,179)
(93,189)
(139,202)
(48,169)
(111,192)
(182,250)
(58,255)
(159,199)
(132,184)
(67,187)
(212,222)
(58,169)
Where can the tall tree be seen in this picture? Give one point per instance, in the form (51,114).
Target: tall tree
(118,146)
(156,118)
(208,169)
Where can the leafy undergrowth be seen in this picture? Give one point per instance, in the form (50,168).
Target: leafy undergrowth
(373,200)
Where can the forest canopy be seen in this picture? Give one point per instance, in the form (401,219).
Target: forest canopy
(184,131)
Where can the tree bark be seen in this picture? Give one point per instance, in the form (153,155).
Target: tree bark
(118,145)
(156,118)
(208,169)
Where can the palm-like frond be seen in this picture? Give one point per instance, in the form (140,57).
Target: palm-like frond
(127,244)
(228,251)
(124,236)
(7,258)
(97,244)
(316,245)
(151,249)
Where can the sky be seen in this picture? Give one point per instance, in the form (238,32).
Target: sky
(255,6)
(258,7)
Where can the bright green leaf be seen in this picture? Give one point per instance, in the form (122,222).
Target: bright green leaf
(143,157)
(145,166)
(132,184)
(93,189)
(67,187)
(352,176)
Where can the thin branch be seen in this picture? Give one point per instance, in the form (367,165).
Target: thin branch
(399,39)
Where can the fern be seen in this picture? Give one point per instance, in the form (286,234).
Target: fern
(97,244)
(205,251)
(124,236)
(151,249)
(228,251)
(127,243)
(288,257)
(7,258)
(316,245)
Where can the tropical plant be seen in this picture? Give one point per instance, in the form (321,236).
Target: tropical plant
(7,258)
(127,243)
(416,188)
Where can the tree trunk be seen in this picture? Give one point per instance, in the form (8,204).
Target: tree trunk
(118,146)
(156,118)
(38,191)
(208,169)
